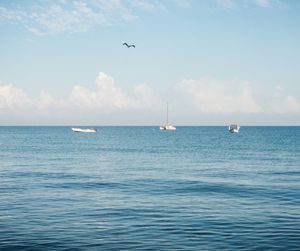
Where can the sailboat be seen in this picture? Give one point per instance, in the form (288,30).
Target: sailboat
(167,126)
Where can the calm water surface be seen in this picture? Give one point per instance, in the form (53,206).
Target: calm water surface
(138,188)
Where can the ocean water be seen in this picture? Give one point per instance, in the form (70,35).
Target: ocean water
(139,188)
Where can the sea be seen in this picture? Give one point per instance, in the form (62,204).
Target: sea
(139,188)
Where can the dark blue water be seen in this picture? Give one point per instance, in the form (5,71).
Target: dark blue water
(139,188)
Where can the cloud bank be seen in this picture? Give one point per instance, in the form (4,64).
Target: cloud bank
(12,97)
(209,95)
(108,103)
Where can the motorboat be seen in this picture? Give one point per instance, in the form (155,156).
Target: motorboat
(234,128)
(84,129)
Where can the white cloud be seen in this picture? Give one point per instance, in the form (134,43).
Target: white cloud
(11,15)
(106,95)
(12,97)
(66,16)
(57,18)
(105,100)
(47,101)
(263,3)
(209,95)
(227,4)
(147,98)
(190,100)
(148,5)
(183,3)
(234,4)
(282,103)
(76,16)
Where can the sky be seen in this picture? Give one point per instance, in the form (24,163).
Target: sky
(214,62)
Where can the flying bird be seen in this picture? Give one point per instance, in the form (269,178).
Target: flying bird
(129,45)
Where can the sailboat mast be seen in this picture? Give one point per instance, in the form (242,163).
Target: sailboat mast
(167,113)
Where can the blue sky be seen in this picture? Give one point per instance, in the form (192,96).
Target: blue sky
(215,62)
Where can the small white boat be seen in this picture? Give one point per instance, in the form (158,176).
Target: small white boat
(234,128)
(167,126)
(84,130)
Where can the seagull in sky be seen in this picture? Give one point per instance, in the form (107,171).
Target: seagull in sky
(129,45)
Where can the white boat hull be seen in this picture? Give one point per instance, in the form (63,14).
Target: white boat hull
(234,128)
(84,130)
(168,128)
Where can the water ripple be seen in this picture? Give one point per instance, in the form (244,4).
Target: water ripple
(136,188)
